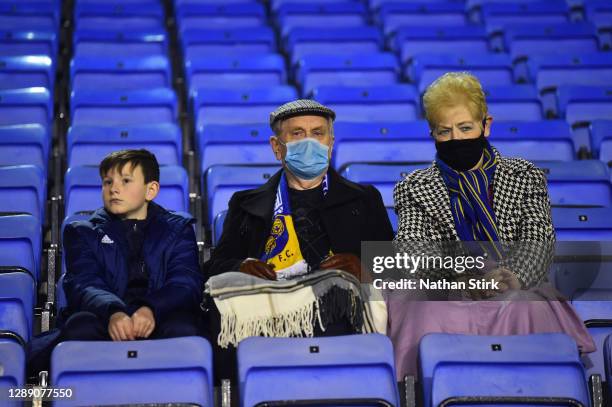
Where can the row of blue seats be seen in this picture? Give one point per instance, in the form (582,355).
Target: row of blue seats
(531,366)
(216,106)
(390,16)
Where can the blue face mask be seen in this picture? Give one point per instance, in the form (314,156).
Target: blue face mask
(307,158)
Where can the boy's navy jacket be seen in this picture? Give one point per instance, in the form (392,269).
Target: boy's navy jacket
(96,253)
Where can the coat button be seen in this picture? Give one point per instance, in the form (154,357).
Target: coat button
(355,212)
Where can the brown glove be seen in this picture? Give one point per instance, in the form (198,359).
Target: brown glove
(343,261)
(258,268)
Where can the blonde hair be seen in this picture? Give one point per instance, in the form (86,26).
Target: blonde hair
(452,89)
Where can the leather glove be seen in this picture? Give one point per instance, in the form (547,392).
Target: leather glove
(343,261)
(258,268)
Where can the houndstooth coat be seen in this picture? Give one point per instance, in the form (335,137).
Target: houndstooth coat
(520,202)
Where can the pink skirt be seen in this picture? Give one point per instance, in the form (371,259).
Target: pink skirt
(542,312)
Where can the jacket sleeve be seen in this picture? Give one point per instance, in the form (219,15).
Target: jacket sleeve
(182,288)
(534,252)
(411,218)
(229,252)
(380,225)
(84,284)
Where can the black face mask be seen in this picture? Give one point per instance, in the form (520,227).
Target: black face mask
(462,155)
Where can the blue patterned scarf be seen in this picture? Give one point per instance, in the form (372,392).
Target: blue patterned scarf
(469,198)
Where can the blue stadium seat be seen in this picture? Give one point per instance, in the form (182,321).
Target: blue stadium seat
(392,218)
(585,182)
(12,367)
(218,226)
(117,9)
(395,15)
(531,39)
(235,71)
(382,142)
(601,140)
(584,103)
(575,224)
(26,72)
(25,144)
(411,41)
(234,144)
(232,15)
(221,181)
(39,17)
(365,69)
(584,69)
(362,40)
(599,12)
(119,23)
(315,16)
(83,186)
(123,107)
(237,41)
(383,176)
(540,365)
(298,367)
(514,102)
(276,4)
(17,299)
(138,372)
(498,15)
(26,106)
(20,242)
(491,69)
(594,306)
(385,103)
(549,140)
(239,106)
(23,188)
(21,42)
(120,73)
(376,4)
(608,362)
(88,145)
(116,43)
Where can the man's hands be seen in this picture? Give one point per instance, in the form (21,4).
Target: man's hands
(123,328)
(258,268)
(343,261)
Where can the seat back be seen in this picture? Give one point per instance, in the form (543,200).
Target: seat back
(20,242)
(299,366)
(139,372)
(17,292)
(539,365)
(88,145)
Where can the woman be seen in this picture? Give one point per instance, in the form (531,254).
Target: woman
(472,193)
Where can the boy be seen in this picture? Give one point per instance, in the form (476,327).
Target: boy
(132,269)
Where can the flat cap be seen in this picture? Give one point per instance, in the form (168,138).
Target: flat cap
(301,107)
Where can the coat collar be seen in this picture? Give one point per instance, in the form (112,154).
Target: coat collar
(432,194)
(260,201)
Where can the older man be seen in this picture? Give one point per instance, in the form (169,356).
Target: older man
(306,217)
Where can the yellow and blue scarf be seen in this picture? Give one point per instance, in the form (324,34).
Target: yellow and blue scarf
(282,246)
(469,198)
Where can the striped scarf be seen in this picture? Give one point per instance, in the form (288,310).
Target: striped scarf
(282,246)
(469,198)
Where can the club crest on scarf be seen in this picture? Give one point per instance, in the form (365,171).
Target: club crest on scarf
(282,247)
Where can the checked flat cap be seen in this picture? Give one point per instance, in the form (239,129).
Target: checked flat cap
(301,107)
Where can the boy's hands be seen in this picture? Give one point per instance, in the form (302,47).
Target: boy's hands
(120,327)
(143,322)
(123,328)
